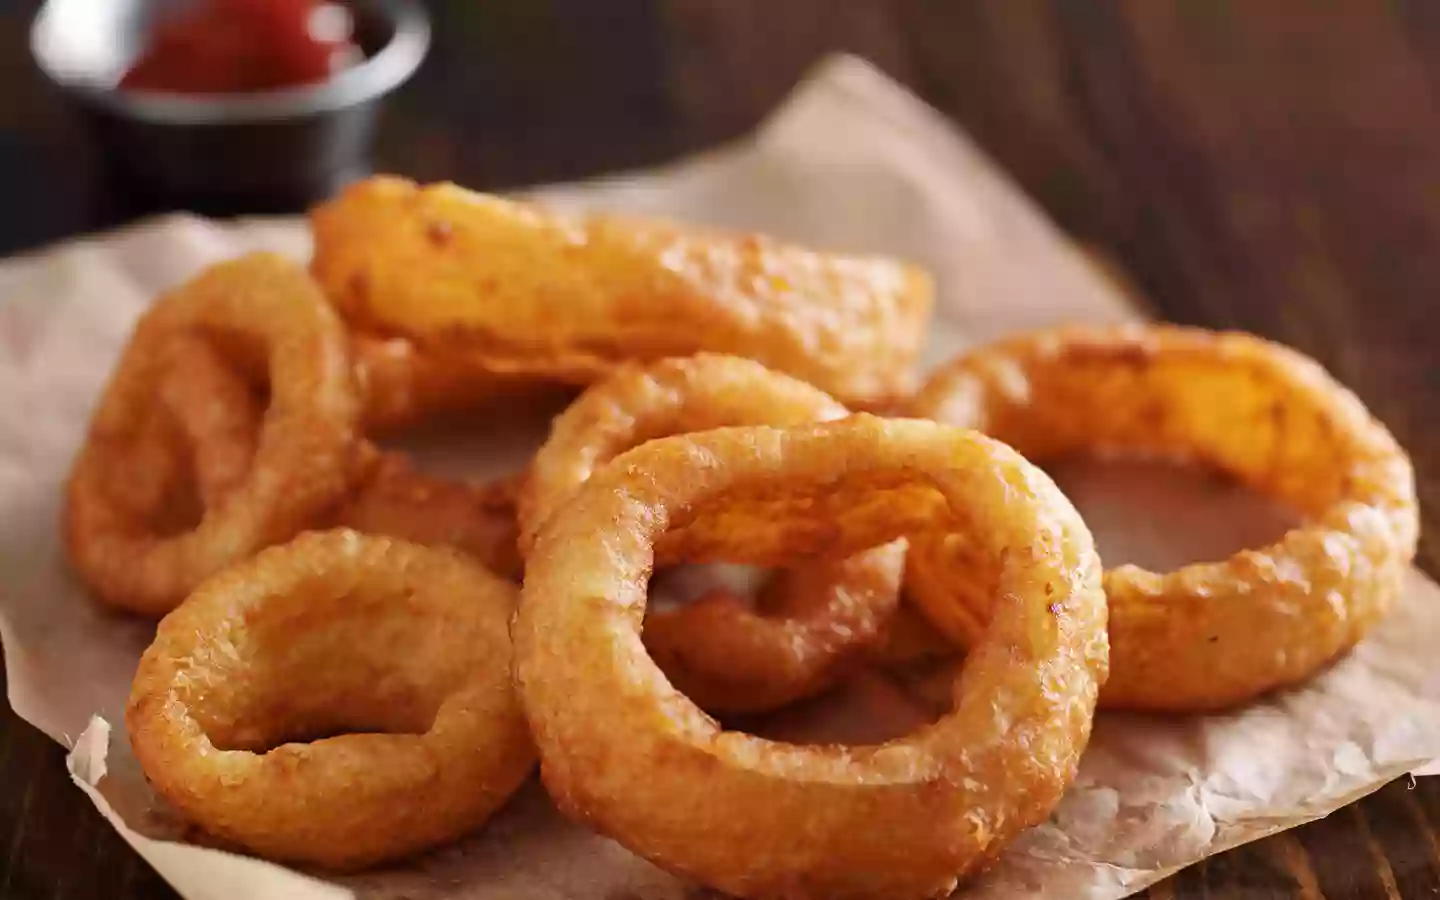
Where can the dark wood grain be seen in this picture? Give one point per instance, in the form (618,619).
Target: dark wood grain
(1273,167)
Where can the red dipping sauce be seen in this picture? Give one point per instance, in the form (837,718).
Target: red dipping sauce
(245,46)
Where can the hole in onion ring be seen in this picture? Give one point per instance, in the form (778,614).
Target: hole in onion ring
(1164,515)
(468,445)
(353,681)
(154,481)
(676,586)
(159,477)
(426,486)
(263,743)
(867,708)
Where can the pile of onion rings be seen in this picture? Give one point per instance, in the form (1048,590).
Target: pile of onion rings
(812,623)
(1208,635)
(231,482)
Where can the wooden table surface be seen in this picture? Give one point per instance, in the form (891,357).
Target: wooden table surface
(1273,167)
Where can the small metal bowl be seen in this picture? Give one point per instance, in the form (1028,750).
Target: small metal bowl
(231,153)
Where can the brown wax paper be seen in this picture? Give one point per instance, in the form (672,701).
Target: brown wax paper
(850,162)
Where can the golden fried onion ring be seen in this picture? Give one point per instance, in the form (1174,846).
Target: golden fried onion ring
(400,650)
(530,292)
(404,385)
(1212,634)
(397,500)
(625,752)
(810,624)
(303,461)
(219,420)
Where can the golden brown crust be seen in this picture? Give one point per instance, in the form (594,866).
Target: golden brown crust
(215,411)
(404,385)
(1212,634)
(641,402)
(531,292)
(219,420)
(630,756)
(396,500)
(402,650)
(303,460)
(810,624)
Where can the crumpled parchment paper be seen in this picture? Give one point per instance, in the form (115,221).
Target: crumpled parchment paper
(850,162)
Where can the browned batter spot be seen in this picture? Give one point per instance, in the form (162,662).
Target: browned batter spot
(439,233)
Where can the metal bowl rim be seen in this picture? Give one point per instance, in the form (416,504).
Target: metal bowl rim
(376,76)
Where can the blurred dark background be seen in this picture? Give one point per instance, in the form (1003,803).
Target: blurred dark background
(1109,112)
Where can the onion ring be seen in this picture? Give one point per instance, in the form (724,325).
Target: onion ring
(810,624)
(1209,635)
(220,420)
(304,457)
(623,751)
(396,500)
(530,292)
(404,385)
(403,651)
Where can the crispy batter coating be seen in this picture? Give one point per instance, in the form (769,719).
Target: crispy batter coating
(304,456)
(810,624)
(404,385)
(396,500)
(219,419)
(1212,634)
(625,752)
(217,413)
(341,700)
(531,292)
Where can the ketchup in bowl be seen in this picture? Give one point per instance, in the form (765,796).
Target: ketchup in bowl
(246,46)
